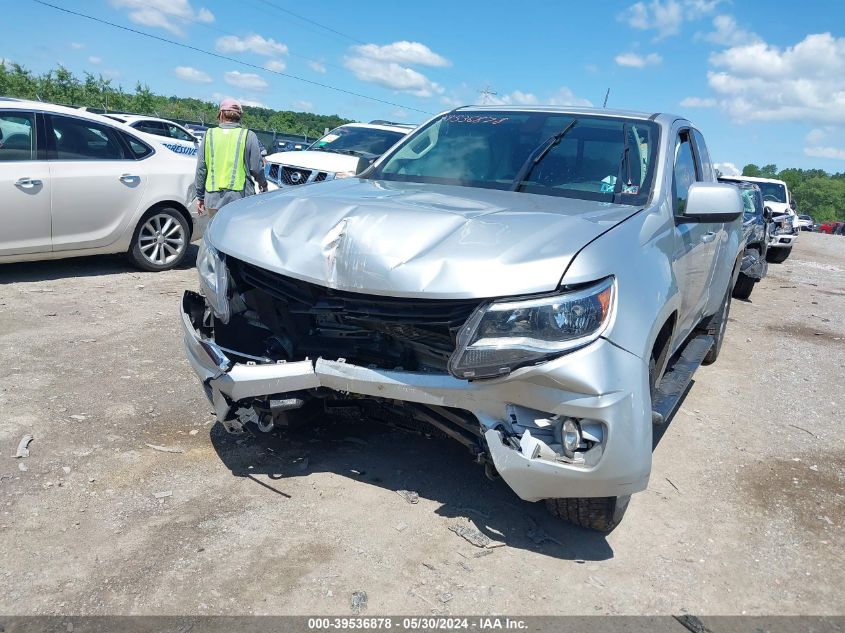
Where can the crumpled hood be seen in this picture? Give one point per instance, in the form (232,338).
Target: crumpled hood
(412,240)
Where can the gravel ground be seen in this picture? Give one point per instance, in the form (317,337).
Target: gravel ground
(743,515)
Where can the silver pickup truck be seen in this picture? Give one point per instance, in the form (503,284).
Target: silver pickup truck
(537,283)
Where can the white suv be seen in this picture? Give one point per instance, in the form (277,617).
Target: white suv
(76,183)
(345,151)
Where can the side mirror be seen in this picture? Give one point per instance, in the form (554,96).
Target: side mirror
(713,202)
(768,213)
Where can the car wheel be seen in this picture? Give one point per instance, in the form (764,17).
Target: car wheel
(716,326)
(743,287)
(160,241)
(596,513)
(778,255)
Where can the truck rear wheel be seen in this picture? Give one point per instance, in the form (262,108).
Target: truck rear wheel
(596,513)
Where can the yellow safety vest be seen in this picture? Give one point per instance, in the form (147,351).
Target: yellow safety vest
(224,157)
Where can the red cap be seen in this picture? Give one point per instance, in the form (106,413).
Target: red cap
(232,105)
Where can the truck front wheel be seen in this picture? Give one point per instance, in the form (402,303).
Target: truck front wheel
(596,513)
(778,255)
(743,287)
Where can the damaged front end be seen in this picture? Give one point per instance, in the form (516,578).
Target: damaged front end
(550,424)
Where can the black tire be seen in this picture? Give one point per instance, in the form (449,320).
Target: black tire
(743,286)
(778,255)
(160,241)
(715,327)
(596,513)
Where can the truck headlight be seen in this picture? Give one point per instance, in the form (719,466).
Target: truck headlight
(214,279)
(503,335)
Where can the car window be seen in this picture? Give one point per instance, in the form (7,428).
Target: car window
(138,149)
(684,173)
(79,139)
(606,159)
(151,127)
(174,131)
(17,141)
(707,173)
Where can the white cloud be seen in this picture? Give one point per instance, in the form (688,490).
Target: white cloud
(634,60)
(409,53)
(252,103)
(317,67)
(698,102)
(728,169)
(804,82)
(95,60)
(186,73)
(275,65)
(303,106)
(666,16)
(563,97)
(726,32)
(252,43)
(247,81)
(170,15)
(392,75)
(77,46)
(390,66)
(399,114)
(826,142)
(825,152)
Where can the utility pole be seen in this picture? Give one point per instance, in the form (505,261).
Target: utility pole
(606,95)
(486,93)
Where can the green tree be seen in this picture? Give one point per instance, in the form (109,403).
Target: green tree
(751,170)
(769,171)
(823,198)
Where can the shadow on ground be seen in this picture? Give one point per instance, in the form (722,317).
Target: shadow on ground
(437,469)
(92,266)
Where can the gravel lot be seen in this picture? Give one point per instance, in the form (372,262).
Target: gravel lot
(743,515)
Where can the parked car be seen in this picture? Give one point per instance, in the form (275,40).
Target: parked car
(178,140)
(538,283)
(777,198)
(343,152)
(805,223)
(197,130)
(830,227)
(281,145)
(76,183)
(756,230)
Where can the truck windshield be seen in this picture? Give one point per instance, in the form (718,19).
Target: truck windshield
(772,191)
(601,158)
(359,141)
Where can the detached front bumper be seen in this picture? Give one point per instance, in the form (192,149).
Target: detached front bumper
(601,383)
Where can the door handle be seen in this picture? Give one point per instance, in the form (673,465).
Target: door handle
(28,183)
(128,177)
(708,237)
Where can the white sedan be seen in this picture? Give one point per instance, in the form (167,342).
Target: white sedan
(76,183)
(171,135)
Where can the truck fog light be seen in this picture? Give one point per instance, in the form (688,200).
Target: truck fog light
(571,436)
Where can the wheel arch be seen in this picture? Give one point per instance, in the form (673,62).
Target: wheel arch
(164,204)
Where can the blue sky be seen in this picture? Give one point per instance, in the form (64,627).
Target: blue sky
(765,81)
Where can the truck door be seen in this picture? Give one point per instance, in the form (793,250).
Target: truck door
(694,240)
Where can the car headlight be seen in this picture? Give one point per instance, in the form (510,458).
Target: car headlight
(504,335)
(214,279)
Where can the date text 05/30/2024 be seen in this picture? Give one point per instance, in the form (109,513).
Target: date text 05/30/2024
(418,624)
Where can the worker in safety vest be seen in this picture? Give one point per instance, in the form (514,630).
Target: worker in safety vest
(227,157)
